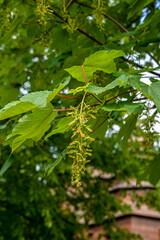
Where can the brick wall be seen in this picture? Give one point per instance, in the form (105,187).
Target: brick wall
(125,223)
(148,228)
(95,232)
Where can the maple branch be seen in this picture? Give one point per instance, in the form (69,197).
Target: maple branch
(100,43)
(81,97)
(78,29)
(117,23)
(97,104)
(89,36)
(94,105)
(106,15)
(138,65)
(153,57)
(120,95)
(5,3)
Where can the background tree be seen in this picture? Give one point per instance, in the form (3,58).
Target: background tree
(39,39)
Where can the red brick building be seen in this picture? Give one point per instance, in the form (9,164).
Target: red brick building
(142,220)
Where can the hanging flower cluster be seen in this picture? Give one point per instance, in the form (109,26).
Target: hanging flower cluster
(79,148)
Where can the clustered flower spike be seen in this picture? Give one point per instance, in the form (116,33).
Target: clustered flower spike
(79,148)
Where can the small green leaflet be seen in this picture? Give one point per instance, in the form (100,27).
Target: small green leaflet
(77,90)
(100,129)
(153,80)
(140,86)
(8,140)
(61,127)
(95,89)
(76,72)
(8,94)
(42,98)
(154,91)
(30,101)
(52,95)
(51,167)
(15,108)
(152,172)
(7,164)
(126,130)
(120,81)
(146,42)
(125,106)
(102,60)
(37,98)
(134,71)
(137,6)
(13,28)
(32,126)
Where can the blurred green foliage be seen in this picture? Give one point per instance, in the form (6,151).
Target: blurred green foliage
(39,39)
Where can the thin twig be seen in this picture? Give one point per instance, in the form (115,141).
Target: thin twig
(99,125)
(61,110)
(5,3)
(69,3)
(100,43)
(106,15)
(120,95)
(117,23)
(94,105)
(64,4)
(97,98)
(84,74)
(78,29)
(152,57)
(89,36)
(97,104)
(138,65)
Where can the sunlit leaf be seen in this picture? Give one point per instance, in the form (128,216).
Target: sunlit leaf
(154,91)
(6,165)
(61,127)
(32,126)
(127,129)
(101,60)
(16,108)
(49,169)
(125,106)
